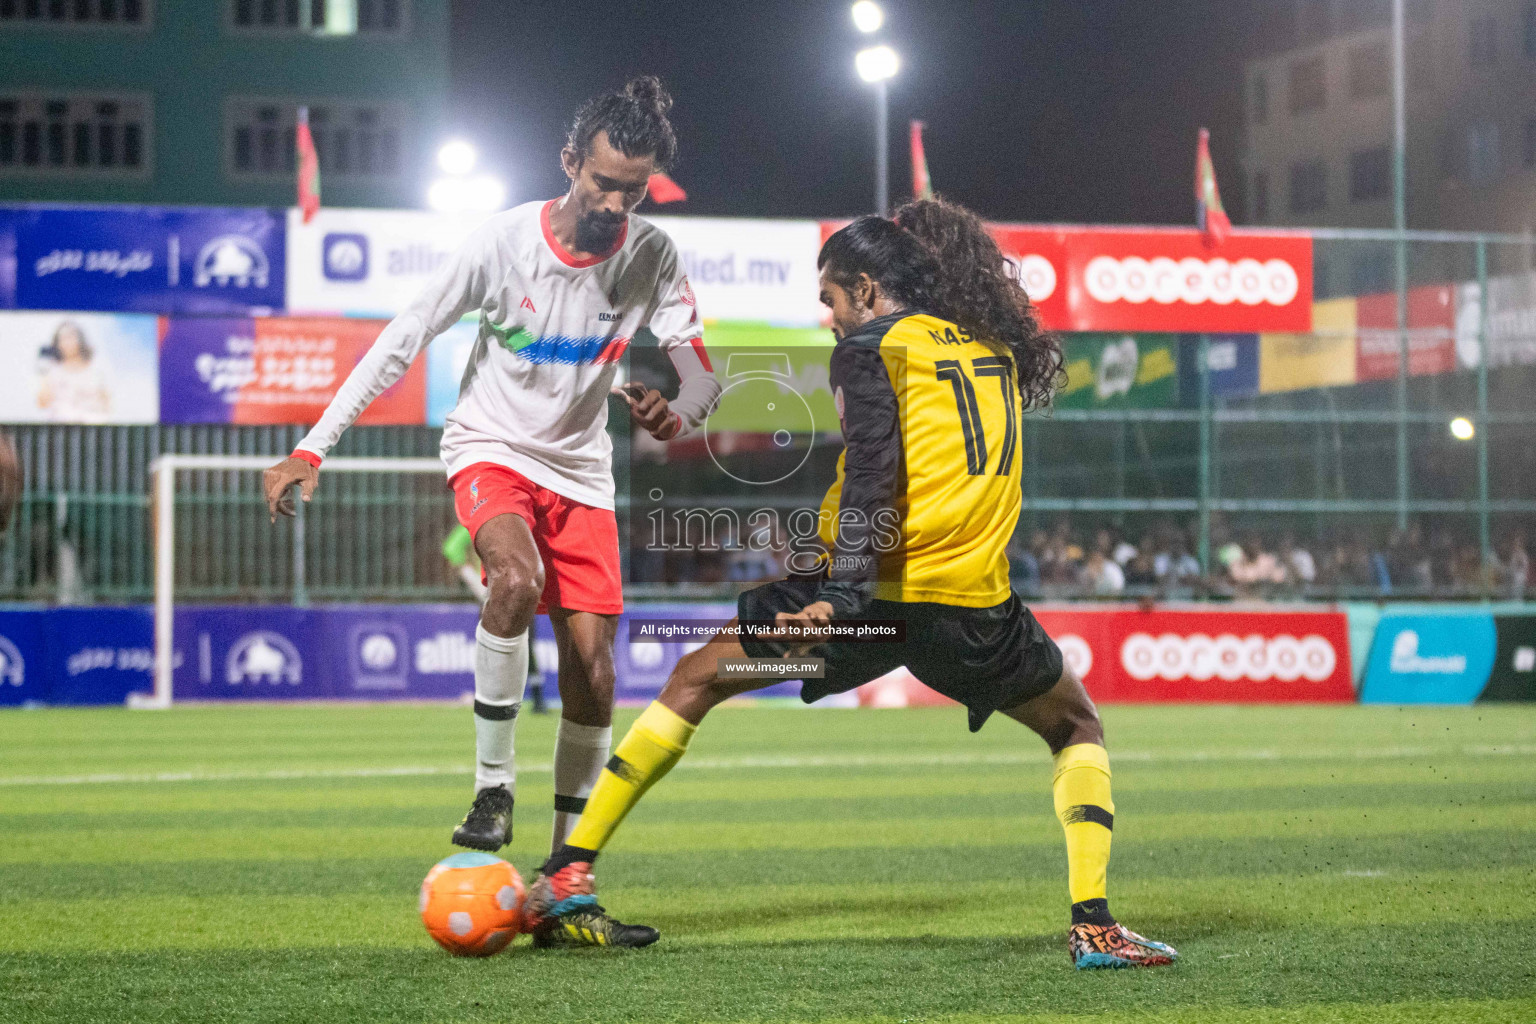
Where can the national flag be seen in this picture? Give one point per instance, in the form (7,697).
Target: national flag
(922,187)
(309,168)
(664,190)
(1212,219)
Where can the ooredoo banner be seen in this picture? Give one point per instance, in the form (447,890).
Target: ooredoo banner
(273,370)
(1107,279)
(1207,656)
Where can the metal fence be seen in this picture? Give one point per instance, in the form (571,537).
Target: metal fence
(1365,461)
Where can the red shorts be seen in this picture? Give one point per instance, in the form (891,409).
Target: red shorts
(579,544)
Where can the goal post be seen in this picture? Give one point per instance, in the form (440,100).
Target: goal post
(163,472)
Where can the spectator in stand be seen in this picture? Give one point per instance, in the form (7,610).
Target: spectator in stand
(1102,576)
(1141,571)
(1297,562)
(1124,550)
(1175,566)
(1254,570)
(1023,566)
(1517,567)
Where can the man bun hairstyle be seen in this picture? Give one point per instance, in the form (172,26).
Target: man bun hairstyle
(894,259)
(635,119)
(978,289)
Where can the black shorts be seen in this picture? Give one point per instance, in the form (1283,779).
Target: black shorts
(989,659)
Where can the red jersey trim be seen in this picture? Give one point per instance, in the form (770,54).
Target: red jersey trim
(309,457)
(559,250)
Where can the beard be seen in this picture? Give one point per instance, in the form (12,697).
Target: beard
(598,232)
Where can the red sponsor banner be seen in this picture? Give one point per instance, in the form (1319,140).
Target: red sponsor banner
(1259,657)
(1225,657)
(1111,279)
(1159,279)
(1431,333)
(298,363)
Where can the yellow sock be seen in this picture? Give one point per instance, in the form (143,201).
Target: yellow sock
(648,751)
(1081,789)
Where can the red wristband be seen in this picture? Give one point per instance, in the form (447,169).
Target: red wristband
(309,457)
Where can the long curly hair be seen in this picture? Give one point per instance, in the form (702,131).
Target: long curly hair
(978,289)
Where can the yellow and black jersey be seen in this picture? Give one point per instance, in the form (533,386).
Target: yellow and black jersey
(928,486)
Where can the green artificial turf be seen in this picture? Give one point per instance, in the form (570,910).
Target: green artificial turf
(260,864)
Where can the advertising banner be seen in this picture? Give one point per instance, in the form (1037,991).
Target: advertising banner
(99,655)
(446,359)
(1112,279)
(149,259)
(23,657)
(1262,657)
(1234,362)
(1443,658)
(274,370)
(1513,676)
(1511,323)
(742,269)
(78,368)
(1118,371)
(1290,362)
(367,262)
(1431,333)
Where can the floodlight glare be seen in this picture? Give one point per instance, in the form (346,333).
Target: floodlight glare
(456,157)
(877,63)
(1462,429)
(480,194)
(867,16)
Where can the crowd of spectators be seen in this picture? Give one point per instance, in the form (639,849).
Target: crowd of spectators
(1071,560)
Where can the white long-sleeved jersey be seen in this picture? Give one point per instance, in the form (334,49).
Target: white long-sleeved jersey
(534,396)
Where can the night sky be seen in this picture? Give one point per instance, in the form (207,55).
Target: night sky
(1037,110)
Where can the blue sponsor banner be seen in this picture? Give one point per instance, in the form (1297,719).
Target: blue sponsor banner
(8,220)
(204,362)
(266,652)
(150,259)
(1441,658)
(23,657)
(99,655)
(1234,363)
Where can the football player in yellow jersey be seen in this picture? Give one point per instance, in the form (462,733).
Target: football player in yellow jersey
(938,354)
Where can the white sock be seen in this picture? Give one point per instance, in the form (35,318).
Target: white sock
(501,672)
(581,751)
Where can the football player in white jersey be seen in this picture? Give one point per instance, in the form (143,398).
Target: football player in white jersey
(561,287)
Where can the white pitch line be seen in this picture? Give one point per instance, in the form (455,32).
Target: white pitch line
(790,761)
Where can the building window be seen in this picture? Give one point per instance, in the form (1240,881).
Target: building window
(1370,174)
(1260,204)
(319,17)
(1309,187)
(1484,49)
(108,13)
(353,140)
(75,135)
(1309,85)
(1482,153)
(1368,70)
(1261,98)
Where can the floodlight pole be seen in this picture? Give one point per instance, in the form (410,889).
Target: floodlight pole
(882,151)
(1400,223)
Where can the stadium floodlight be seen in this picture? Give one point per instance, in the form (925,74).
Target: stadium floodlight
(1462,429)
(456,157)
(479,194)
(867,16)
(877,64)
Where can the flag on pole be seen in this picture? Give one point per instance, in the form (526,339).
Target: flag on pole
(309,168)
(1212,219)
(922,187)
(664,190)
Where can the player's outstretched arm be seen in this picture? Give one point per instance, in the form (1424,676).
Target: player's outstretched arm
(279,480)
